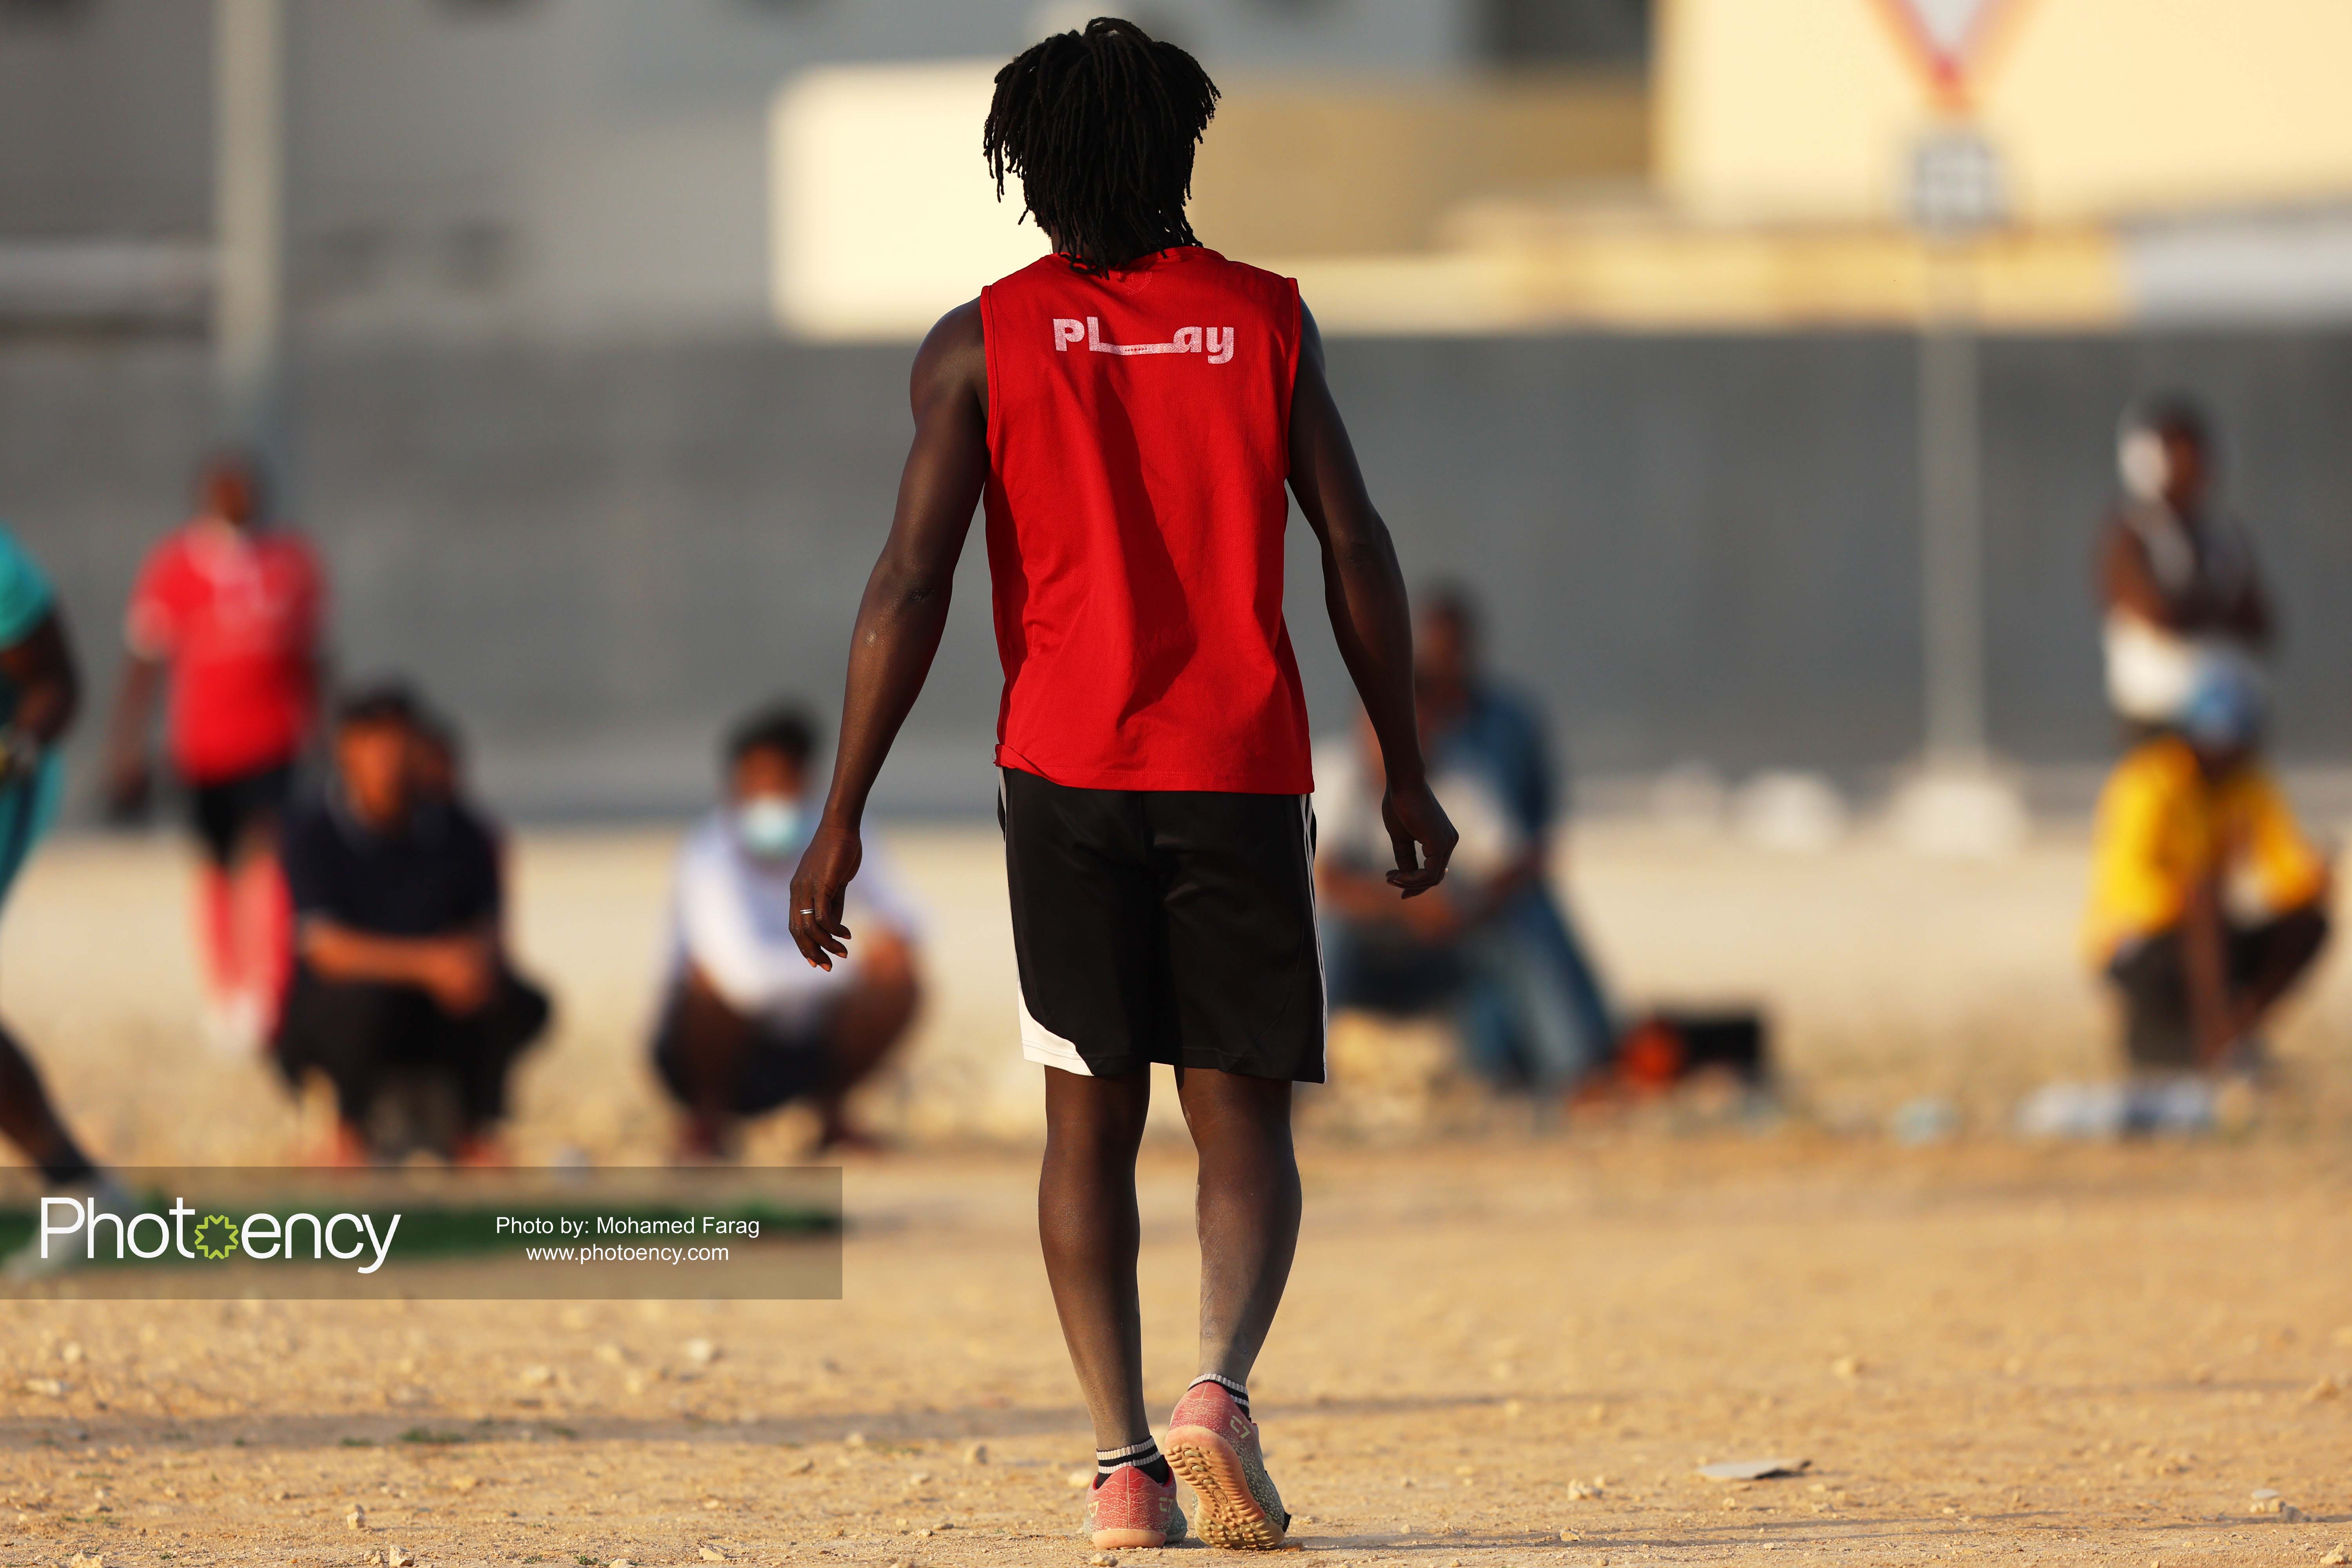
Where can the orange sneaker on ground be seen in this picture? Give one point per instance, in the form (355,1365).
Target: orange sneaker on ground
(1131,1509)
(1213,1443)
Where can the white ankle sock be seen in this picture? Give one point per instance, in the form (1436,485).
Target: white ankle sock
(1239,1390)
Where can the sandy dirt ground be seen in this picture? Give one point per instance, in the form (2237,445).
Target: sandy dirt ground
(1511,1350)
(1505,1355)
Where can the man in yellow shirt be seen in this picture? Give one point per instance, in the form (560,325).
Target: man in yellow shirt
(2206,901)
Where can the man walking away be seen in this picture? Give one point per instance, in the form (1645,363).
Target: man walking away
(1131,407)
(231,608)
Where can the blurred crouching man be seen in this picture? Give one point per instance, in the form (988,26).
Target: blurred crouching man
(1494,945)
(402,996)
(748,1025)
(2208,901)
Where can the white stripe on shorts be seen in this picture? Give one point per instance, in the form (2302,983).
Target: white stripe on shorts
(1322,981)
(1040,1044)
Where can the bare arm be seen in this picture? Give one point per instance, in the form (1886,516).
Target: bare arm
(2206,961)
(1364,592)
(458,968)
(1438,917)
(40,666)
(2249,615)
(2126,582)
(903,613)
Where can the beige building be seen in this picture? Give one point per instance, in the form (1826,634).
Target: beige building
(1806,111)
(2137,159)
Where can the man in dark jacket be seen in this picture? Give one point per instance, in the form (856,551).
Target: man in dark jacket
(403,996)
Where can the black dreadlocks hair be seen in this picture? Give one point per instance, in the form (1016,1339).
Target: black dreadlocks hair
(1100,128)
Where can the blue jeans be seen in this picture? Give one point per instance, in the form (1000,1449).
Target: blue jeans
(1519,987)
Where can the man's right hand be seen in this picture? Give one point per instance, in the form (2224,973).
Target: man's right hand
(459,973)
(820,886)
(1421,835)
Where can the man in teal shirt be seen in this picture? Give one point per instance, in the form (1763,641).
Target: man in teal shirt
(38,694)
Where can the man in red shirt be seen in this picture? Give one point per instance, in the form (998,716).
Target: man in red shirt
(1131,409)
(232,609)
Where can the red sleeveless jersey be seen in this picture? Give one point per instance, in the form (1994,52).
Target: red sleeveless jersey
(1139,439)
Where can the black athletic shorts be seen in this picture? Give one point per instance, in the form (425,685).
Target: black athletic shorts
(226,809)
(1170,926)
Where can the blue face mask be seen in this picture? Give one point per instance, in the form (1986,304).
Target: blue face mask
(771,825)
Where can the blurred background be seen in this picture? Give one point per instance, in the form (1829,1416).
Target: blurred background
(579,328)
(596,318)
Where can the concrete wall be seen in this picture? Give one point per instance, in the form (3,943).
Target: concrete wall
(1694,548)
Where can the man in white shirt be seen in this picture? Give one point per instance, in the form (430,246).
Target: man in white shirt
(2188,619)
(747,1025)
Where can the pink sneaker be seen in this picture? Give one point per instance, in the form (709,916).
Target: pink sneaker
(1130,1508)
(1214,1448)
